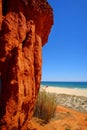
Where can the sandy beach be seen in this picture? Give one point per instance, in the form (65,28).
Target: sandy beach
(59,90)
(71,111)
(72,98)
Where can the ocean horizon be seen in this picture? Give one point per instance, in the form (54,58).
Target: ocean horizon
(72,85)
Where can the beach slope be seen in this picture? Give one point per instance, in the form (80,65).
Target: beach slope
(65,119)
(70,91)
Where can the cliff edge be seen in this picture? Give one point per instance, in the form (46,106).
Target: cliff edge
(25,26)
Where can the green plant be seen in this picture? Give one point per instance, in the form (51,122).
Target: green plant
(45,105)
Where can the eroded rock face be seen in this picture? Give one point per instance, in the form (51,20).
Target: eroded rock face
(0,13)
(25,28)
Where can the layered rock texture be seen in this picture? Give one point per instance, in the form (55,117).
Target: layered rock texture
(25,26)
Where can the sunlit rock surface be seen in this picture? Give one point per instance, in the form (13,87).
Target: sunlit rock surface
(25,26)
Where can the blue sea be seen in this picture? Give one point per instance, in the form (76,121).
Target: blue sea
(74,85)
(78,85)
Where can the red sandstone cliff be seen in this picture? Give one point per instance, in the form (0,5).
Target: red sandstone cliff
(0,12)
(25,28)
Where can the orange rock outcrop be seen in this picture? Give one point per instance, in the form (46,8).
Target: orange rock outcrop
(25,26)
(0,13)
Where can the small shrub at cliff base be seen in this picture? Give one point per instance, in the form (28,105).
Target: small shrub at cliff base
(45,106)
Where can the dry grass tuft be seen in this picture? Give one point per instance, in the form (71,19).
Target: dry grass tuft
(45,106)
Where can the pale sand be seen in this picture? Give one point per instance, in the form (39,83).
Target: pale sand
(59,90)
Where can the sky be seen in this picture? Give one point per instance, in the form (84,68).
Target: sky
(65,53)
